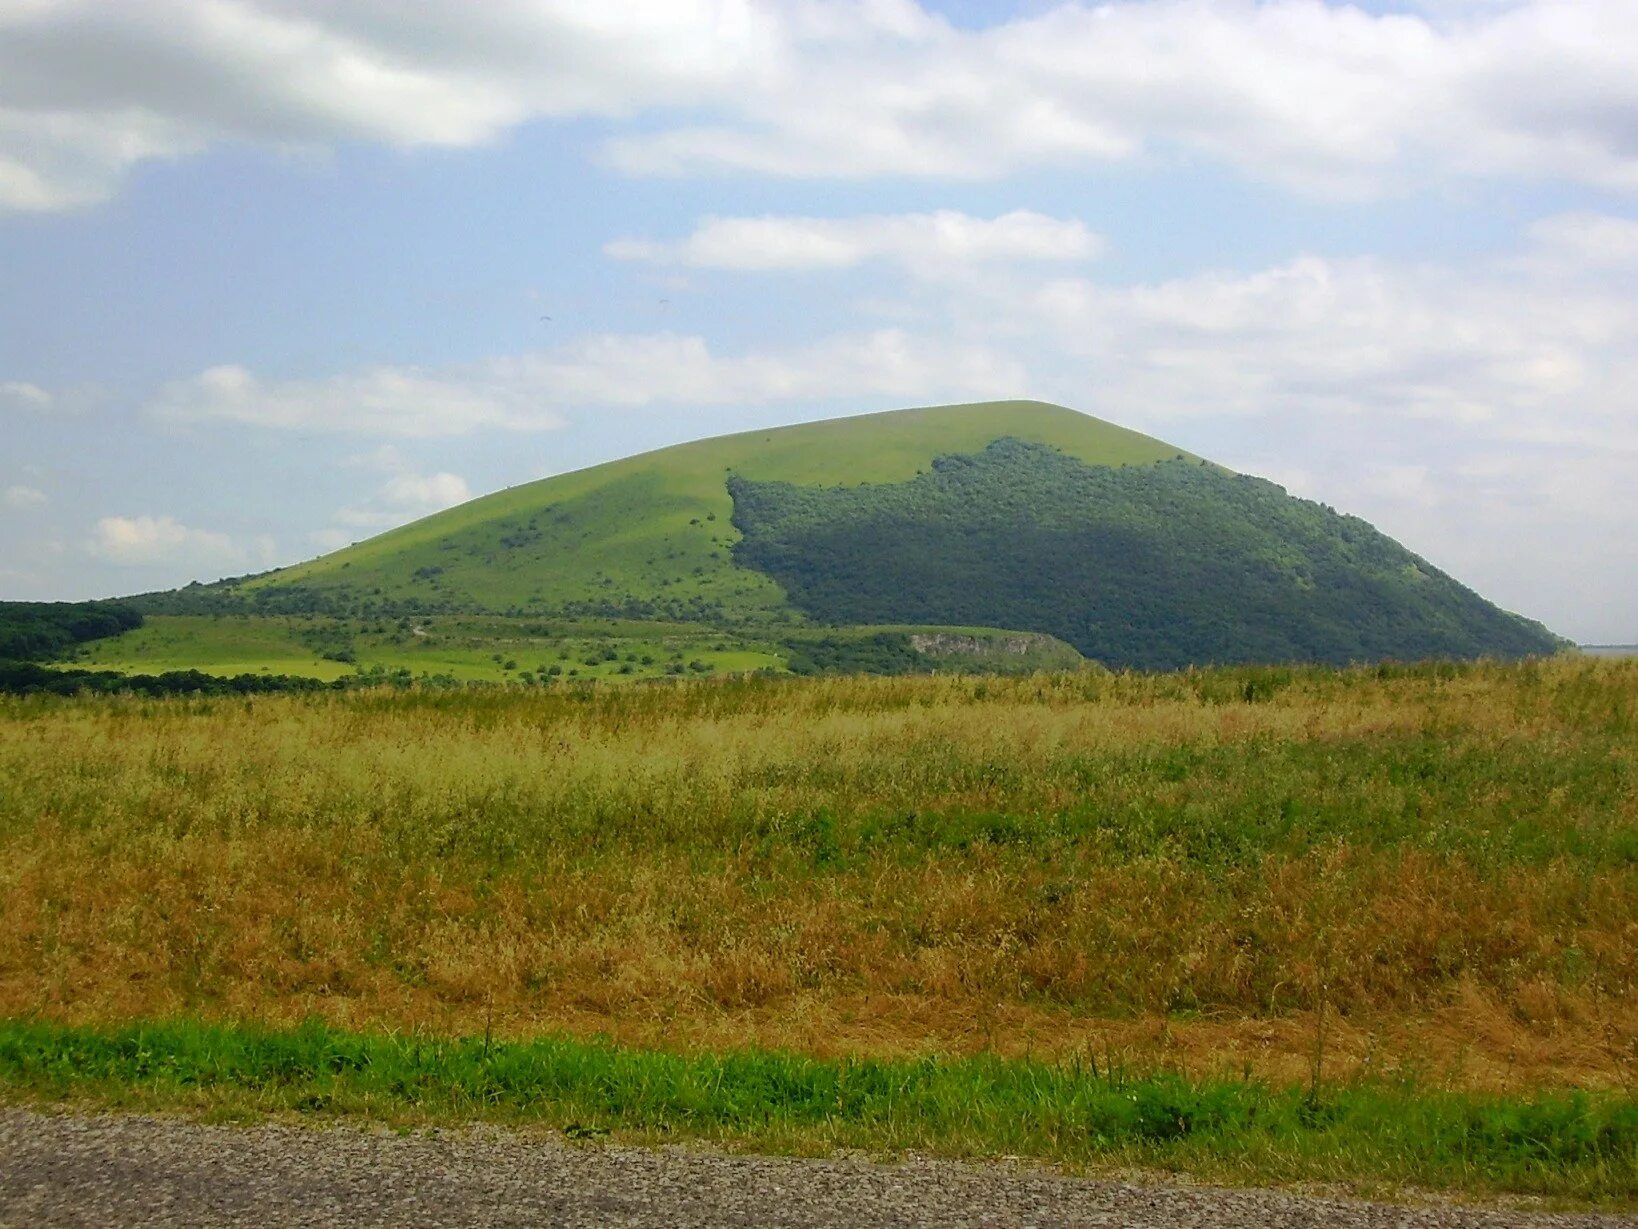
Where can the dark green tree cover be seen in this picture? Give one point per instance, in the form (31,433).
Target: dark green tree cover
(859,652)
(217,598)
(34,631)
(21,678)
(226,598)
(1151,567)
(876,653)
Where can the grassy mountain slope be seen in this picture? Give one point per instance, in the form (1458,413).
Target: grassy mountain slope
(651,535)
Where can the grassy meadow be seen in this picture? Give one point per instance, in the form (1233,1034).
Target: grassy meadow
(536,652)
(1316,886)
(459,648)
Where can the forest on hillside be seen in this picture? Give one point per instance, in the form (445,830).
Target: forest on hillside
(36,631)
(1153,567)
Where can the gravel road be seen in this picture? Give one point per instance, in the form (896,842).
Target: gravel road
(121,1171)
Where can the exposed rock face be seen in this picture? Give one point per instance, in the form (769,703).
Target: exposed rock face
(952,644)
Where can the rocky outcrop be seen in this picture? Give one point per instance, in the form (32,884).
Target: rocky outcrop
(951,644)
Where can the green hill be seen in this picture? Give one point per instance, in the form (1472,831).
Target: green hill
(1016,515)
(651,536)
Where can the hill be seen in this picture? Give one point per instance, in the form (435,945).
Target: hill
(1004,515)
(650,536)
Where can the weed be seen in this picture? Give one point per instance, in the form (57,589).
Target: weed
(1578,1146)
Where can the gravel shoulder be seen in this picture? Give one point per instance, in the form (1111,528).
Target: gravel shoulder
(130,1170)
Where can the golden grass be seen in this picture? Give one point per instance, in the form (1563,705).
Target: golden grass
(1185,869)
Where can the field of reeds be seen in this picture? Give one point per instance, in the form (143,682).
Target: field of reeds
(1409,877)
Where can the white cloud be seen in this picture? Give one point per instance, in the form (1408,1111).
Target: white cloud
(17,395)
(1326,98)
(921,242)
(1360,337)
(668,369)
(406,497)
(379,400)
(145,540)
(88,90)
(23,498)
(428,491)
(387,458)
(1589,238)
(533,391)
(331,539)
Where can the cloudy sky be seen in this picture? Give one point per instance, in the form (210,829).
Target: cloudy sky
(278,274)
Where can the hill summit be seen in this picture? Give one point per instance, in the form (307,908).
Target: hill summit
(1017,515)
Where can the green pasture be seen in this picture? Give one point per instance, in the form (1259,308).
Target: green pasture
(482,648)
(225,646)
(464,649)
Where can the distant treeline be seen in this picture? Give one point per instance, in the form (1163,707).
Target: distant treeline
(36,631)
(876,653)
(22,678)
(31,632)
(227,597)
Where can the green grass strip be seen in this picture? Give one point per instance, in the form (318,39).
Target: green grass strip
(1573,1146)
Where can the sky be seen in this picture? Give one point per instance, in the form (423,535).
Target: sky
(276,275)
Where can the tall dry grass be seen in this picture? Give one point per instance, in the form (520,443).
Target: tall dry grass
(1440,858)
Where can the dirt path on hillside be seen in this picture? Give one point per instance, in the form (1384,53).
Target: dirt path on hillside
(121,1171)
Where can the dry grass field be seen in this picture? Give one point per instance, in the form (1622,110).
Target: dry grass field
(1428,872)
